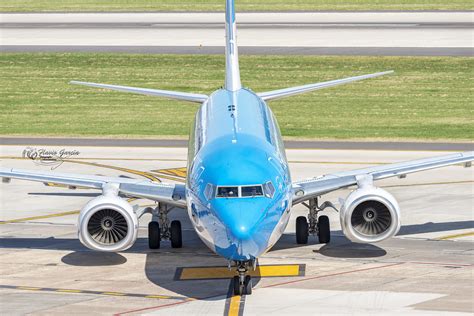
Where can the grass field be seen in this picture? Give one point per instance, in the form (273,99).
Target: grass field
(427,98)
(242,5)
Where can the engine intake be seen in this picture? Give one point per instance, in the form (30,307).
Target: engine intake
(108,223)
(107,227)
(370,215)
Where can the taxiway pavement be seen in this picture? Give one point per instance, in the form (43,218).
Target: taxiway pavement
(425,270)
(290,144)
(313,33)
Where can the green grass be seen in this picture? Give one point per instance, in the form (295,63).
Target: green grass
(427,98)
(242,5)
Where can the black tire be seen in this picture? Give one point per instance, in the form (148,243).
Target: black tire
(248,285)
(236,286)
(154,235)
(302,230)
(324,230)
(176,235)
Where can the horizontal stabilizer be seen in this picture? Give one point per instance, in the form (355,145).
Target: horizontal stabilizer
(283,93)
(184,96)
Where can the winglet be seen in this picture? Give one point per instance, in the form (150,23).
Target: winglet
(232,71)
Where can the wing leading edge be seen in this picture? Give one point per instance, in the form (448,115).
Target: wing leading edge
(168,193)
(306,189)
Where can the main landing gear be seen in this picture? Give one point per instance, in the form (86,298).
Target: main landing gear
(160,229)
(315,225)
(242,283)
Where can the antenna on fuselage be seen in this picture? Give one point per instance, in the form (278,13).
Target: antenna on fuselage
(232,72)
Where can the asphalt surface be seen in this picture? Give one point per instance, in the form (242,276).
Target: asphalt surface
(323,33)
(364,145)
(425,270)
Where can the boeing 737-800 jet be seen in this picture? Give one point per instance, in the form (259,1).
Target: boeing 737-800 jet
(239,192)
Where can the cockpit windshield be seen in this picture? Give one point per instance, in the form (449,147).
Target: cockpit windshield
(254,190)
(243,191)
(227,192)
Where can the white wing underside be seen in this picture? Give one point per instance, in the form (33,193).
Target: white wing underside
(306,189)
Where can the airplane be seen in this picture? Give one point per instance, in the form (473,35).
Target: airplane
(238,192)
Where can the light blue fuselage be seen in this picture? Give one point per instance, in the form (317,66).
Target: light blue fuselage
(235,141)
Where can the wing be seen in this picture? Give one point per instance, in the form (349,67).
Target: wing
(183,96)
(283,93)
(168,193)
(306,189)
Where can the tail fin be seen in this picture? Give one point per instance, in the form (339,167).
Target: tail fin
(232,72)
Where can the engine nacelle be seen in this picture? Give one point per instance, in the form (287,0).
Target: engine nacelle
(108,223)
(370,215)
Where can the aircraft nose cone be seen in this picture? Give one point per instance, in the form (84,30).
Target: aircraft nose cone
(241,230)
(241,217)
(246,226)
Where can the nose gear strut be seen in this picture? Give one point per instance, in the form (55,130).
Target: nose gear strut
(242,283)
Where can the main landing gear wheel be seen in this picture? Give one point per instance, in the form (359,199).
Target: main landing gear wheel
(302,230)
(244,288)
(176,235)
(154,235)
(324,231)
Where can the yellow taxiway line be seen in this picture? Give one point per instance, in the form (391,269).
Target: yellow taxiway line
(455,236)
(105,293)
(25,219)
(234,306)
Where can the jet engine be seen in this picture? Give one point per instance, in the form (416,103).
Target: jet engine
(108,223)
(370,215)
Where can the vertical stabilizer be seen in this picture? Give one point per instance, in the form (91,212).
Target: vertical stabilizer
(232,72)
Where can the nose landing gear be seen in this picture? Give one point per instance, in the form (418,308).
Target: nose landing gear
(242,283)
(242,287)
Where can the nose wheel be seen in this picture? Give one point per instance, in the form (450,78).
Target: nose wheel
(242,287)
(242,283)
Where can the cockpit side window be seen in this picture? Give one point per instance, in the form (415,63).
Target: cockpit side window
(227,192)
(253,190)
(269,189)
(209,192)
